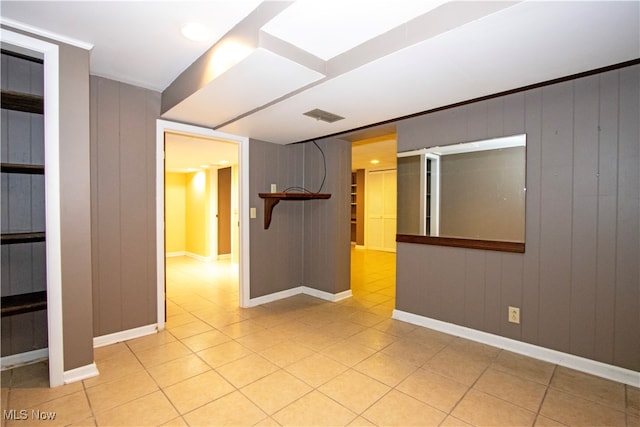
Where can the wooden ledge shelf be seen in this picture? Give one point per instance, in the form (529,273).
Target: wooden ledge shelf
(21,168)
(272,199)
(23,303)
(13,238)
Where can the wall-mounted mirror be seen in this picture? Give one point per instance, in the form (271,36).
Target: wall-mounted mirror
(473,191)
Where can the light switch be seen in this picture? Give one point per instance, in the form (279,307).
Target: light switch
(252,213)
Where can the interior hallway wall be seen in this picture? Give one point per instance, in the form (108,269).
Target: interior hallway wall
(123,214)
(578,283)
(175,213)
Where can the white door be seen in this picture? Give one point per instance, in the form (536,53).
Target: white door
(381,210)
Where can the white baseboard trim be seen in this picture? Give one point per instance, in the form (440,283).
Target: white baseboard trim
(26,358)
(300,290)
(174,254)
(200,257)
(81,373)
(129,334)
(326,295)
(578,363)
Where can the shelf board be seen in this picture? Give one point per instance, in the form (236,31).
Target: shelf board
(13,238)
(22,168)
(23,303)
(25,102)
(272,199)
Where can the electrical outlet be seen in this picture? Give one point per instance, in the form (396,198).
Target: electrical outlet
(274,188)
(514,315)
(252,213)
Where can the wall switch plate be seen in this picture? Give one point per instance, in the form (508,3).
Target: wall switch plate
(252,213)
(274,188)
(514,315)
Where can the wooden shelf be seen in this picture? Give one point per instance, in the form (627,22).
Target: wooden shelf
(23,303)
(21,168)
(272,199)
(13,238)
(17,101)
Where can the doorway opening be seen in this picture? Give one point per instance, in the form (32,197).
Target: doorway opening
(373,217)
(202,195)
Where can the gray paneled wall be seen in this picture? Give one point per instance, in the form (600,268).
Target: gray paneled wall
(123,139)
(275,254)
(578,283)
(23,206)
(327,225)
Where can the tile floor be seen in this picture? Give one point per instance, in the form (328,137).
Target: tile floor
(304,361)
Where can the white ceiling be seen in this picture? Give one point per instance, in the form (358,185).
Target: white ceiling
(368,64)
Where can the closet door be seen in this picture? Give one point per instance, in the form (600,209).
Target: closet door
(22,253)
(381,210)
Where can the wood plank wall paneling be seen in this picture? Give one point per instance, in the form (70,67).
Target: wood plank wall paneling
(275,254)
(23,206)
(578,283)
(327,229)
(123,205)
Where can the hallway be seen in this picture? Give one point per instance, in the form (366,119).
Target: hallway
(305,361)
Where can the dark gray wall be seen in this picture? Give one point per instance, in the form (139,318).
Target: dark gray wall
(327,223)
(123,146)
(578,283)
(276,253)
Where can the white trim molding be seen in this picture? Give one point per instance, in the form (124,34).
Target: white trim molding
(578,363)
(26,358)
(81,373)
(45,33)
(297,291)
(129,334)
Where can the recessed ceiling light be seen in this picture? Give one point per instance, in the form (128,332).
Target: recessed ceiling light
(195,32)
(375,161)
(223,162)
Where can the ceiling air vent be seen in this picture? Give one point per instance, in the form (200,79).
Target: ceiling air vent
(325,116)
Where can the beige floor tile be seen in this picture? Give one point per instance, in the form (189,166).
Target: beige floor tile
(373,338)
(516,390)
(178,370)
(176,422)
(589,387)
(317,340)
(198,391)
(524,367)
(633,421)
(633,401)
(65,410)
(475,350)
(29,396)
(275,391)
(354,390)
(261,340)
(247,370)
(314,409)
(31,376)
(454,422)
(316,369)
(398,409)
(285,353)
(180,319)
(457,366)
(231,410)
(395,327)
(343,329)
(386,369)
(433,389)
(430,338)
(575,411)
(479,408)
(542,421)
(348,353)
(120,365)
(150,341)
(361,422)
(109,395)
(223,353)
(189,329)
(87,422)
(162,354)
(366,318)
(410,350)
(151,410)
(205,340)
(241,328)
(107,351)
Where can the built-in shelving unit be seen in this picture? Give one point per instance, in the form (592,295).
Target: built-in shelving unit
(22,107)
(272,199)
(357,207)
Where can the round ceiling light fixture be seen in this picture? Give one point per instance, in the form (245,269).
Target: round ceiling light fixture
(195,32)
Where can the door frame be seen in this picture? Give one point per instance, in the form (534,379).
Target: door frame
(163,126)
